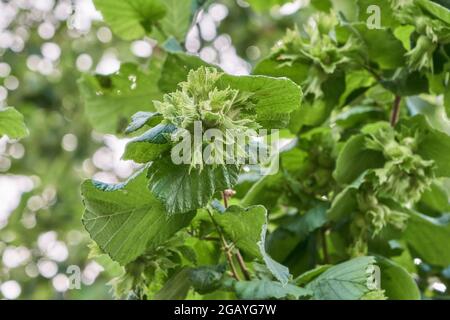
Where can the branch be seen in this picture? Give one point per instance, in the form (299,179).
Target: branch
(395,111)
(226,195)
(226,247)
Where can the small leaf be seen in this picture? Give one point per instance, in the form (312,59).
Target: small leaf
(141,119)
(206,279)
(11,124)
(150,145)
(131,19)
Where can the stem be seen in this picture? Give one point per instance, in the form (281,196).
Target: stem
(326,258)
(226,247)
(395,110)
(225,199)
(226,195)
(242,265)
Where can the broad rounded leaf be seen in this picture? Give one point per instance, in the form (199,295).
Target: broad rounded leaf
(350,280)
(243,227)
(396,281)
(272,110)
(110,101)
(125,219)
(428,237)
(354,159)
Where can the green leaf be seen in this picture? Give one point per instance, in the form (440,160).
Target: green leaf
(432,145)
(110,101)
(176,68)
(272,110)
(297,72)
(183,189)
(354,159)
(436,10)
(280,272)
(396,281)
(350,280)
(247,229)
(243,227)
(206,279)
(178,18)
(131,19)
(177,287)
(357,114)
(125,219)
(150,145)
(356,82)
(344,204)
(428,237)
(436,198)
(308,276)
(141,119)
(264,5)
(403,33)
(12,124)
(265,290)
(312,220)
(433,111)
(382,46)
(406,83)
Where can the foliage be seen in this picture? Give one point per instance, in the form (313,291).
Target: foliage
(348,176)
(353,205)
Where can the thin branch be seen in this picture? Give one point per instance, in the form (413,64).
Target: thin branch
(225,199)
(242,265)
(226,195)
(226,247)
(395,111)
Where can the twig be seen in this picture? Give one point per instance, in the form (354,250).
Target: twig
(395,110)
(227,194)
(226,247)
(242,265)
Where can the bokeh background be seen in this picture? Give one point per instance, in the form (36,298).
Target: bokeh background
(45,46)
